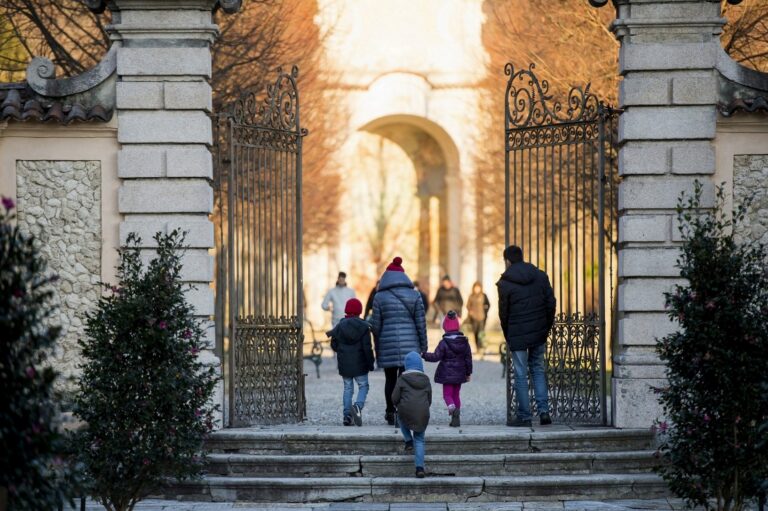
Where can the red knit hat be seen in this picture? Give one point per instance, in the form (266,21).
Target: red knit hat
(451,322)
(395,265)
(354,307)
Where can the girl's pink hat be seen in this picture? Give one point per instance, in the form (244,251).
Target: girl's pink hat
(451,322)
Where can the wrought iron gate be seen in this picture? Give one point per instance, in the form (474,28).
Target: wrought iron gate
(561,210)
(259,263)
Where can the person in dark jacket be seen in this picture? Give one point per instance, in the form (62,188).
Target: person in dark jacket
(351,340)
(398,327)
(413,396)
(448,298)
(455,367)
(527,313)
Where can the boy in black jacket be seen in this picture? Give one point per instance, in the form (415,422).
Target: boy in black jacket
(351,340)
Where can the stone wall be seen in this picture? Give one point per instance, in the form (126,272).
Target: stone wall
(750,177)
(60,203)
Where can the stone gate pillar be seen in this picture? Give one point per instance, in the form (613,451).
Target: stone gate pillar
(667,58)
(163,99)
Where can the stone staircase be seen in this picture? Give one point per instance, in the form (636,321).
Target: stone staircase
(475,463)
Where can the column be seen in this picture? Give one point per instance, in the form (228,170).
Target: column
(163,99)
(667,58)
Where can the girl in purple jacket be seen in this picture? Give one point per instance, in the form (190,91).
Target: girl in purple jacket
(455,368)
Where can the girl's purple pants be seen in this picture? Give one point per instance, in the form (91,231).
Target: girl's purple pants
(451,393)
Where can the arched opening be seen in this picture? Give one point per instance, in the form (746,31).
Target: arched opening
(400,200)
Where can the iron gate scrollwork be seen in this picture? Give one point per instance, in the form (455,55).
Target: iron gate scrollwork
(560,182)
(259,263)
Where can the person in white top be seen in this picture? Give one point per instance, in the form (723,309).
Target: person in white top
(336,299)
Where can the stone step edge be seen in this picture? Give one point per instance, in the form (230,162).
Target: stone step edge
(319,489)
(606,434)
(441,458)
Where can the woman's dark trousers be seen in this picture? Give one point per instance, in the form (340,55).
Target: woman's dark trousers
(390,379)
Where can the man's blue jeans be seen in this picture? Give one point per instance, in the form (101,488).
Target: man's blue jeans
(418,443)
(349,389)
(533,359)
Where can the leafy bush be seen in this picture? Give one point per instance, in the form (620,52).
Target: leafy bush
(30,445)
(712,447)
(144,393)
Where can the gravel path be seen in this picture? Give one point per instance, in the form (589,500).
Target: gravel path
(483,399)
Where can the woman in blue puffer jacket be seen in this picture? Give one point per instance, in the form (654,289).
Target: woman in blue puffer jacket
(398,326)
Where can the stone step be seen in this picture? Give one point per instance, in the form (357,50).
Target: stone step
(518,464)
(470,440)
(430,489)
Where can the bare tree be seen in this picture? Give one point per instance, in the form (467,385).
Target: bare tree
(745,35)
(571,44)
(266,34)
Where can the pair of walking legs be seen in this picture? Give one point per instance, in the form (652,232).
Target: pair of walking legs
(349,390)
(525,361)
(452,395)
(417,437)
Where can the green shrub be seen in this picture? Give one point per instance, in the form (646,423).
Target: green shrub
(712,448)
(31,448)
(144,393)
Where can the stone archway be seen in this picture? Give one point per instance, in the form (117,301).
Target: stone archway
(401,186)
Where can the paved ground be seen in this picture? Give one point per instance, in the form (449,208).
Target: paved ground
(577,505)
(483,399)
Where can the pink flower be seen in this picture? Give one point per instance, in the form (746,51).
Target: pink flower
(707,418)
(738,419)
(187,334)
(194,350)
(146,462)
(198,412)
(162,325)
(663,426)
(711,305)
(30,372)
(8,203)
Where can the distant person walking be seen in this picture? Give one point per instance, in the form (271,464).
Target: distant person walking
(336,299)
(398,327)
(351,340)
(477,312)
(527,313)
(413,396)
(448,298)
(455,367)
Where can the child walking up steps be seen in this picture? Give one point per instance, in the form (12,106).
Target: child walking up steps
(413,397)
(455,365)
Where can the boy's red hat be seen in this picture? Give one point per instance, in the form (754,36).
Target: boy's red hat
(354,307)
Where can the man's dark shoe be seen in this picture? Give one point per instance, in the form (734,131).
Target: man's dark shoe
(347,420)
(420,472)
(390,416)
(545,419)
(357,415)
(520,423)
(409,446)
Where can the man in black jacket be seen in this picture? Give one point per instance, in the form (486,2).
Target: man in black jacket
(527,312)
